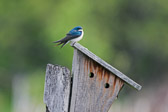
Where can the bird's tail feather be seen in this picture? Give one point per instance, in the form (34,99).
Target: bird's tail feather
(64,43)
(60,42)
(57,41)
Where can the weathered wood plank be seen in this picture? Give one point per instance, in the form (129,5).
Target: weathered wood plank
(57,88)
(107,66)
(89,93)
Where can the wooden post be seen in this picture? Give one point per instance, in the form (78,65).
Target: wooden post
(95,84)
(57,88)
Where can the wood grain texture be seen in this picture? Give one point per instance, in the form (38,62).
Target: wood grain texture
(107,66)
(89,93)
(57,88)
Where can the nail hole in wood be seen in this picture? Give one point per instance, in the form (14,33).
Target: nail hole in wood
(91,75)
(106,85)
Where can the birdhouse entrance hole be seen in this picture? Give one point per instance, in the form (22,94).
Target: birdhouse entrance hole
(91,75)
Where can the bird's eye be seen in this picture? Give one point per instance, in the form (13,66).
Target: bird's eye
(79,29)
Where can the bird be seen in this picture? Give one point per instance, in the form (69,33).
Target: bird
(74,35)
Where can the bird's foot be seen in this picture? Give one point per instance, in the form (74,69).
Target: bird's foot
(72,43)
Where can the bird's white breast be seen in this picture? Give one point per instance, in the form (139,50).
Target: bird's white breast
(79,38)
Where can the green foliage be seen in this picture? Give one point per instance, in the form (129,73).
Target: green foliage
(4,102)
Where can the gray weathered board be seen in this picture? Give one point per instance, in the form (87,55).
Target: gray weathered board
(57,88)
(89,93)
(107,66)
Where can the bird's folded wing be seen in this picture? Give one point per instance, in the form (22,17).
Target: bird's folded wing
(69,36)
(73,35)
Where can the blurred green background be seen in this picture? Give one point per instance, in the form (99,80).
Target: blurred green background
(130,35)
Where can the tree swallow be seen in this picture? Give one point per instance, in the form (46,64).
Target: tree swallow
(74,35)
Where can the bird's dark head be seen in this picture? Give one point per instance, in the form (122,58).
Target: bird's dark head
(78,28)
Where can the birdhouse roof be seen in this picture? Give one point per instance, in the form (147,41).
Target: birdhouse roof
(107,66)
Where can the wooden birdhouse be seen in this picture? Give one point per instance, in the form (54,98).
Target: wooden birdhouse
(93,88)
